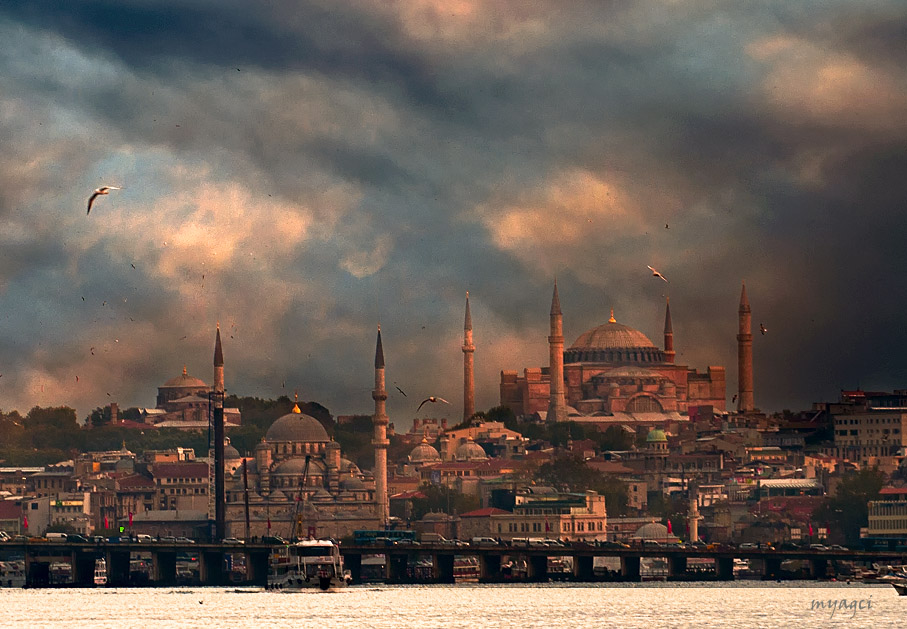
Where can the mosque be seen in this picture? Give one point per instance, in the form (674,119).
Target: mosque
(614,371)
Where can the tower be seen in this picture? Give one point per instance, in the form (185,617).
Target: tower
(218,363)
(469,391)
(669,334)
(557,408)
(379,420)
(744,355)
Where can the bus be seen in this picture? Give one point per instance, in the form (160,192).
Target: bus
(387,537)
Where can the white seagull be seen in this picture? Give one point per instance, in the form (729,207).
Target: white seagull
(762,328)
(657,274)
(97,193)
(432,398)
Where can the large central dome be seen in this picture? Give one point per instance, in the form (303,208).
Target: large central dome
(297,427)
(613,342)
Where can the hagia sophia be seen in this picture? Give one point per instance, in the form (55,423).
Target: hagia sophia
(611,370)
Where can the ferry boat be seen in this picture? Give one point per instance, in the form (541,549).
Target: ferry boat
(100,572)
(312,563)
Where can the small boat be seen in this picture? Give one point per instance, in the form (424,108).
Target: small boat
(900,588)
(307,564)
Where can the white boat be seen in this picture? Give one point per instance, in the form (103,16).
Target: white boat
(100,572)
(312,563)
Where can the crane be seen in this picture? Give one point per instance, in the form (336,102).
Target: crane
(296,523)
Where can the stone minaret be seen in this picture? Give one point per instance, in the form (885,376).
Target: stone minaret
(557,408)
(744,355)
(218,363)
(469,385)
(380,441)
(669,334)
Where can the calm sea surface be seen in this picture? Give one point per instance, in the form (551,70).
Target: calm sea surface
(649,605)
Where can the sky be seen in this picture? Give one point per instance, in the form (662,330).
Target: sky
(301,172)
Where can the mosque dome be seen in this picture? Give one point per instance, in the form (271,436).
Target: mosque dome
(184,380)
(653,530)
(613,342)
(231,453)
(470,451)
(656,435)
(296,426)
(424,453)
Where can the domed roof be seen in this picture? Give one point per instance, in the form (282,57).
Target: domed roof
(296,465)
(184,380)
(231,453)
(470,451)
(656,435)
(653,530)
(424,453)
(299,427)
(613,336)
(352,484)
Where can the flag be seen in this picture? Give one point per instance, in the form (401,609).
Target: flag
(269,525)
(547,526)
(130,518)
(670,528)
(810,529)
(106,522)
(25,520)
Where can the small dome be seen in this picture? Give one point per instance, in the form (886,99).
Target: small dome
(424,453)
(184,380)
(297,427)
(653,530)
(656,435)
(231,453)
(470,451)
(353,484)
(348,466)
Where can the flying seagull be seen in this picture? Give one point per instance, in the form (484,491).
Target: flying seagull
(762,328)
(400,390)
(432,398)
(97,193)
(657,274)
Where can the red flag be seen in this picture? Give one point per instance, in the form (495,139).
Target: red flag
(810,529)
(25,520)
(130,518)
(269,525)
(670,528)
(106,522)
(547,526)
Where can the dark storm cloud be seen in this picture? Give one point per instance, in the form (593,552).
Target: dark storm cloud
(459,153)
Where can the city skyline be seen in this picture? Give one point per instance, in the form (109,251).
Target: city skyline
(301,175)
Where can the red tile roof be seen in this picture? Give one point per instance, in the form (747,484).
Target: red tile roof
(484,513)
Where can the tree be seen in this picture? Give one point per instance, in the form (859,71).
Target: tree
(848,510)
(98,417)
(439,498)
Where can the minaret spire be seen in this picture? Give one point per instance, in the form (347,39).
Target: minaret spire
(218,362)
(557,407)
(380,421)
(669,333)
(744,355)
(469,348)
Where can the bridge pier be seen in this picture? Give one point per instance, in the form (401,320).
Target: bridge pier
(629,568)
(537,568)
(818,568)
(118,568)
(163,568)
(353,563)
(37,573)
(395,568)
(489,568)
(677,566)
(724,568)
(771,568)
(442,568)
(583,568)
(211,568)
(83,568)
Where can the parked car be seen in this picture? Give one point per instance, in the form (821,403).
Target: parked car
(748,546)
(79,539)
(233,540)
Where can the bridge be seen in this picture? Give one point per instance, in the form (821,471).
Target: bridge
(40,554)
(491,557)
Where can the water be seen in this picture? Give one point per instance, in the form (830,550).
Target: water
(645,605)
